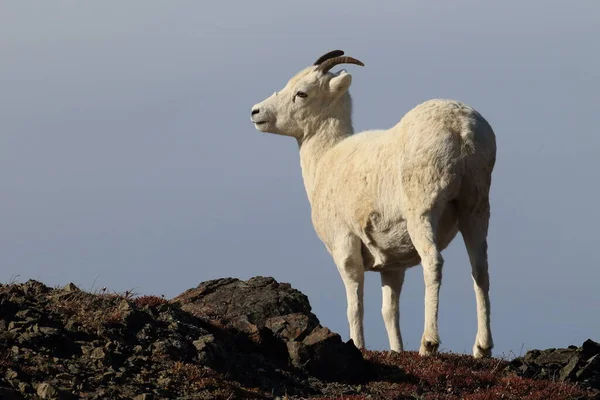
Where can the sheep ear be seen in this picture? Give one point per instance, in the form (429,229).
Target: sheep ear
(340,84)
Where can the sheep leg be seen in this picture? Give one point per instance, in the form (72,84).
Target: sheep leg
(391,286)
(474,230)
(421,231)
(348,260)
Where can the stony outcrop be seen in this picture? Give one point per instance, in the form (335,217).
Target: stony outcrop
(278,320)
(224,339)
(571,364)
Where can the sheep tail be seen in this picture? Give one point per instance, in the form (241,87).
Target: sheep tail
(467,147)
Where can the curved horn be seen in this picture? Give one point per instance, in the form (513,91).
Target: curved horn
(332,62)
(327,56)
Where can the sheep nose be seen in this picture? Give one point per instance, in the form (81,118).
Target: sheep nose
(255,111)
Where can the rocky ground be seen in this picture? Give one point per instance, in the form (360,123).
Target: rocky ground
(232,339)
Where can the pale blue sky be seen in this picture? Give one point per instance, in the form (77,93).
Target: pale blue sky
(127,157)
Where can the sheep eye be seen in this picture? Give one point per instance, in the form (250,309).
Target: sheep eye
(299,93)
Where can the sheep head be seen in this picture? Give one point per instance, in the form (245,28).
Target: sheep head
(310,99)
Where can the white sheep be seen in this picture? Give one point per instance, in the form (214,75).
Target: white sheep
(390,199)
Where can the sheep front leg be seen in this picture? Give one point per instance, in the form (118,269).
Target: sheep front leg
(391,286)
(349,263)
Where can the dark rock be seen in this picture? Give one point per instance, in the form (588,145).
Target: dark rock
(164,381)
(590,349)
(8,309)
(97,353)
(568,372)
(34,288)
(210,351)
(292,326)
(589,374)
(73,368)
(572,364)
(144,396)
(24,387)
(257,299)
(202,343)
(29,338)
(27,314)
(174,349)
(11,374)
(47,391)
(278,321)
(71,288)
(10,394)
(16,325)
(133,319)
(7,335)
(325,355)
(47,330)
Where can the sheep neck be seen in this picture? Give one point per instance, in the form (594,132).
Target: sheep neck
(316,145)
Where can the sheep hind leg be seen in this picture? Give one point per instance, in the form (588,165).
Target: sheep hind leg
(391,286)
(348,259)
(422,233)
(474,231)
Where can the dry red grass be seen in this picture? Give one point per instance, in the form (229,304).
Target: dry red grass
(451,377)
(210,382)
(90,310)
(149,301)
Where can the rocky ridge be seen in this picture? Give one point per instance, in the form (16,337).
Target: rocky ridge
(228,338)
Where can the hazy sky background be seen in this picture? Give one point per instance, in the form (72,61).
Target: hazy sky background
(128,160)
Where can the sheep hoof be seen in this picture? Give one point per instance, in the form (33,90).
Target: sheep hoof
(428,348)
(482,352)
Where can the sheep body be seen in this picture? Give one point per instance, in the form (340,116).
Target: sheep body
(359,185)
(386,200)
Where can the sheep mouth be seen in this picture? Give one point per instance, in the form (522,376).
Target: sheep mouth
(262,125)
(262,122)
